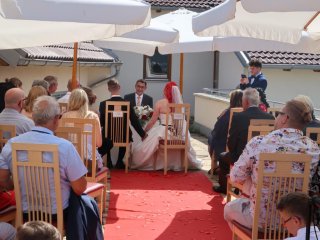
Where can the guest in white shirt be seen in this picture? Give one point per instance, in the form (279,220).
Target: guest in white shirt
(65,98)
(294,210)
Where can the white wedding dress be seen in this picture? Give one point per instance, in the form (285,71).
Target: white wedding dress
(143,152)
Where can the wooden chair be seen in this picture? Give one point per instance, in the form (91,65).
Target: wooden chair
(273,111)
(262,122)
(230,186)
(117,126)
(88,130)
(176,133)
(36,176)
(72,134)
(279,183)
(63,107)
(253,131)
(312,131)
(232,111)
(6,132)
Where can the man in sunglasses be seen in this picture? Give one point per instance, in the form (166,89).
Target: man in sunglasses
(287,137)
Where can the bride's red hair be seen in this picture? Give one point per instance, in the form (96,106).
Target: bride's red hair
(167,91)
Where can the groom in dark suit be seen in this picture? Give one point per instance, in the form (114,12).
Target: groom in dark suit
(114,89)
(139,98)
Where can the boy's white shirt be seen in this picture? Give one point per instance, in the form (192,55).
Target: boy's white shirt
(301,234)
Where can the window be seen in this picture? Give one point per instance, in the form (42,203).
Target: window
(157,67)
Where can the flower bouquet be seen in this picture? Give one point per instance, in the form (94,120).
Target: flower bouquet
(144,114)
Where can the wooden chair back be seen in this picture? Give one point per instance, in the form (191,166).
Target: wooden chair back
(273,111)
(6,132)
(117,125)
(176,132)
(254,131)
(232,111)
(63,107)
(313,133)
(72,134)
(283,180)
(32,178)
(82,133)
(262,122)
(88,151)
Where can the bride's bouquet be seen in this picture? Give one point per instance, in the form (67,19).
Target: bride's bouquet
(144,114)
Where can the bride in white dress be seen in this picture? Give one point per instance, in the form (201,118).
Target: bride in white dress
(143,152)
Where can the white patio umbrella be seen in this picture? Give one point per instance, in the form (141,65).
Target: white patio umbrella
(179,21)
(283,27)
(143,40)
(133,12)
(57,21)
(280,6)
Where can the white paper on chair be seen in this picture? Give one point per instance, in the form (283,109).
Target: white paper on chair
(178,116)
(117,114)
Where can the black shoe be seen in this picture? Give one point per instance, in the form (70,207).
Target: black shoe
(219,189)
(109,165)
(215,171)
(120,165)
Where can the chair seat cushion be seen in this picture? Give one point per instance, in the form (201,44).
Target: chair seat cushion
(103,170)
(91,187)
(172,142)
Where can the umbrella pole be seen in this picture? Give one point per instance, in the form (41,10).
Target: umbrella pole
(181,73)
(74,83)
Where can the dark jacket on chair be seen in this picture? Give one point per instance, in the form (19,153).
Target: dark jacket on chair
(238,133)
(83,219)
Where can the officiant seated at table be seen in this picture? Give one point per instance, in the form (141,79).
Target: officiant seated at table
(143,153)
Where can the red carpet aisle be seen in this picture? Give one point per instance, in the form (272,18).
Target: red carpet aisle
(149,205)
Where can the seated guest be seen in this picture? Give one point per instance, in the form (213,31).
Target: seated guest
(238,134)
(46,114)
(295,210)
(42,83)
(314,122)
(65,98)
(287,137)
(16,82)
(37,230)
(78,108)
(5,86)
(14,102)
(217,140)
(34,93)
(53,84)
(7,231)
(92,98)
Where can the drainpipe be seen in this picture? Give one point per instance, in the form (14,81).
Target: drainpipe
(117,70)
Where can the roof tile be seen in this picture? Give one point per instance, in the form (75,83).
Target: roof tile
(271,57)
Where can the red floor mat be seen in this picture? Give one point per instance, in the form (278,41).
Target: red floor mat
(149,205)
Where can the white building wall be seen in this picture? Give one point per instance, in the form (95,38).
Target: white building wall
(198,74)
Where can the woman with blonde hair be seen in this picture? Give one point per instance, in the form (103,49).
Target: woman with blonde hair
(78,107)
(34,93)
